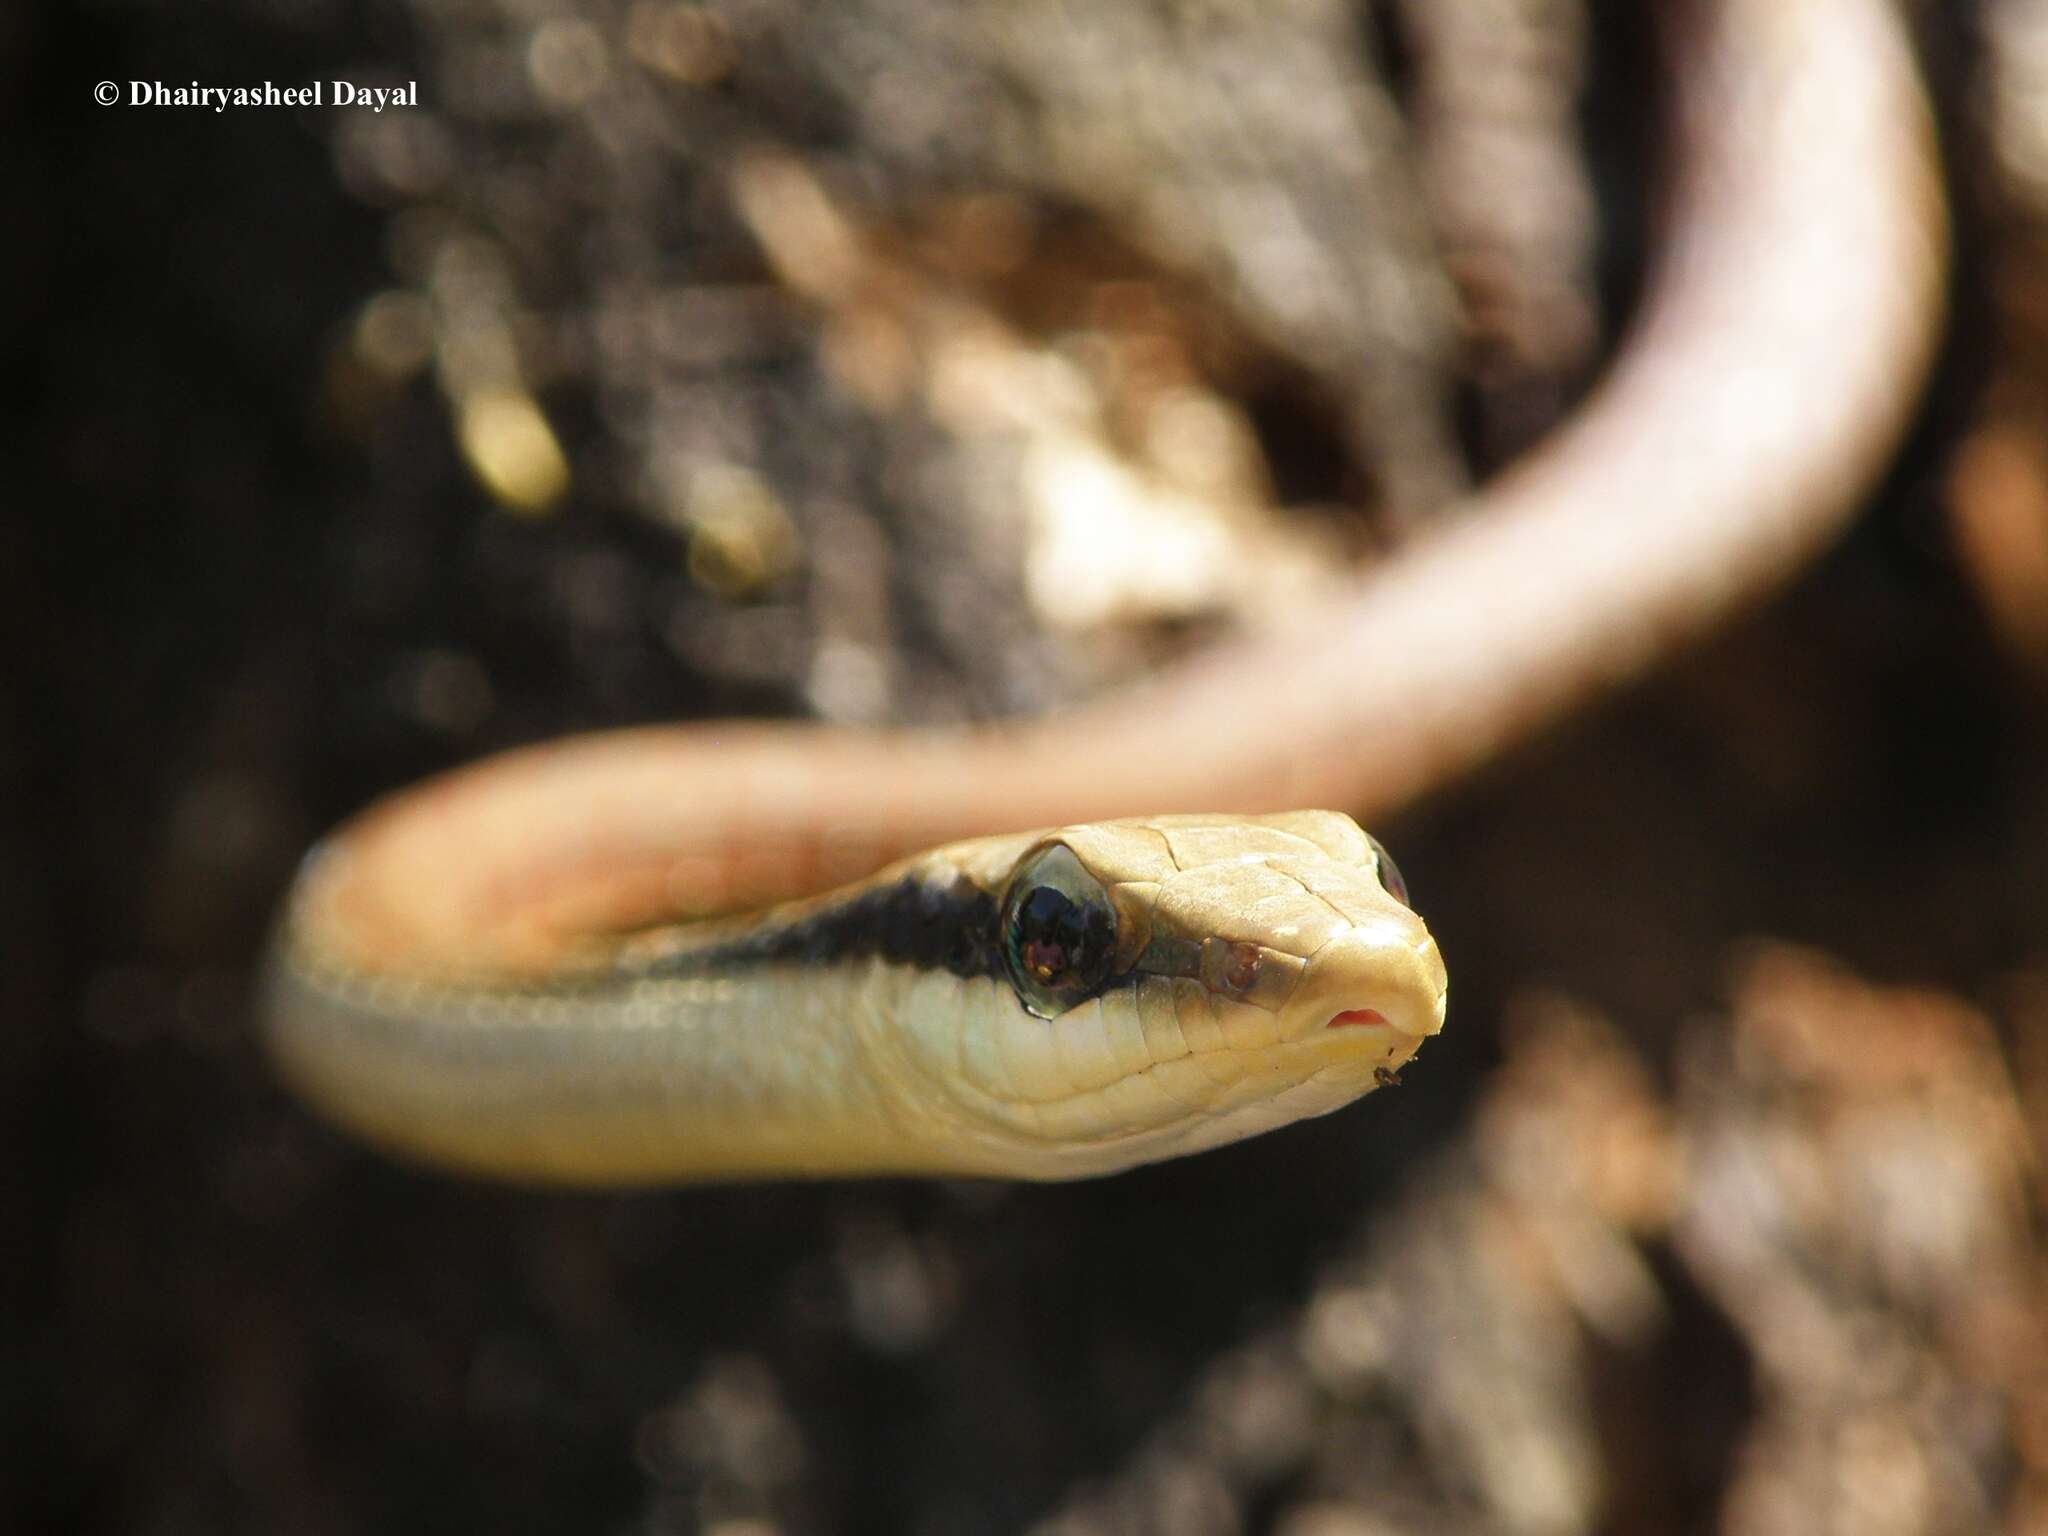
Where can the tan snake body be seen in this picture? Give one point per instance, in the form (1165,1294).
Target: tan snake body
(886,1028)
(433,985)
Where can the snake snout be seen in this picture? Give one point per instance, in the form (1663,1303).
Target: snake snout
(1374,977)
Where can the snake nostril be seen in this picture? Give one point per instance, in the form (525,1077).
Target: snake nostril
(1230,968)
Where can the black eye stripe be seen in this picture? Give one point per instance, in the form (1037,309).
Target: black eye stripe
(938,920)
(943,924)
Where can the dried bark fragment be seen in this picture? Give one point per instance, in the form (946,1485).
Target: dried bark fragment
(1858,1204)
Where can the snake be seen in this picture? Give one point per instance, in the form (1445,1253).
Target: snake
(1061,947)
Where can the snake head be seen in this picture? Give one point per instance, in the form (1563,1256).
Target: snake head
(1154,987)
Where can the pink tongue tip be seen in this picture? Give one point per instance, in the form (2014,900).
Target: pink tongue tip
(1357,1016)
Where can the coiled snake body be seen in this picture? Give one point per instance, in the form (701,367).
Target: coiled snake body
(497,969)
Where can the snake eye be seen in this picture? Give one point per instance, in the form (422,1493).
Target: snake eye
(1390,872)
(1059,932)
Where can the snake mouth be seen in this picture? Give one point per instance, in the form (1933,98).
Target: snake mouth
(1352,1018)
